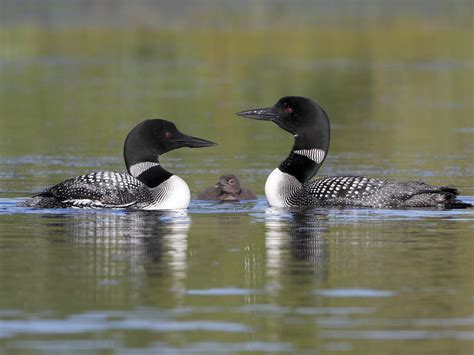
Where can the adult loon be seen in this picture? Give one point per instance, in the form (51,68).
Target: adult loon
(227,189)
(290,184)
(147,186)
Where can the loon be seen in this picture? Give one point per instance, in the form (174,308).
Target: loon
(227,189)
(290,184)
(147,186)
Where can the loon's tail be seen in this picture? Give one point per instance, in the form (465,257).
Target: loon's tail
(441,197)
(43,199)
(458,204)
(451,200)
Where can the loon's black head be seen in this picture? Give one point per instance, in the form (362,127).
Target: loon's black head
(309,124)
(153,137)
(229,183)
(292,113)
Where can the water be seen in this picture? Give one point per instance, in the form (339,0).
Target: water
(236,277)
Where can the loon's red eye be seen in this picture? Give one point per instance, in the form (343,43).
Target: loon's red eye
(168,135)
(288,108)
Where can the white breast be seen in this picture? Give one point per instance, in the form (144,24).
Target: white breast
(279,187)
(171,194)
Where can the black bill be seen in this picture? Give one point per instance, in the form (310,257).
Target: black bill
(194,142)
(263,114)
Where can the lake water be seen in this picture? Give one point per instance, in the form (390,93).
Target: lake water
(236,277)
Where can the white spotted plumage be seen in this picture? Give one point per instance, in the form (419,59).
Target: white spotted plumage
(367,192)
(284,190)
(106,189)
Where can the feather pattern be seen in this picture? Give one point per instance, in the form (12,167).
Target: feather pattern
(113,190)
(97,190)
(139,168)
(371,192)
(316,155)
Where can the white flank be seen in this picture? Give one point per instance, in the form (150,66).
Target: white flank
(316,155)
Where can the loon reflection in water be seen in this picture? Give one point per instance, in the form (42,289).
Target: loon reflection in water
(147,186)
(149,244)
(290,184)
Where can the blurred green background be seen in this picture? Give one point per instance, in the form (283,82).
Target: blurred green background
(396,77)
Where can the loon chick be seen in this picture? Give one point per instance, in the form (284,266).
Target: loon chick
(227,189)
(290,184)
(147,186)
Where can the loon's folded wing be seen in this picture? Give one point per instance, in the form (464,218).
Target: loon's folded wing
(98,190)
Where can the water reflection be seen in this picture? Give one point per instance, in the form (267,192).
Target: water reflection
(295,246)
(119,255)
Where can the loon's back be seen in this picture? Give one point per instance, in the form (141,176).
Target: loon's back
(376,193)
(103,189)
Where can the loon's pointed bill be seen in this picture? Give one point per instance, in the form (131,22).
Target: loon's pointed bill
(194,142)
(262,114)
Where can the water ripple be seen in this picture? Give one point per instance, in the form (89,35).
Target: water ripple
(222,292)
(354,292)
(10,328)
(398,334)
(216,347)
